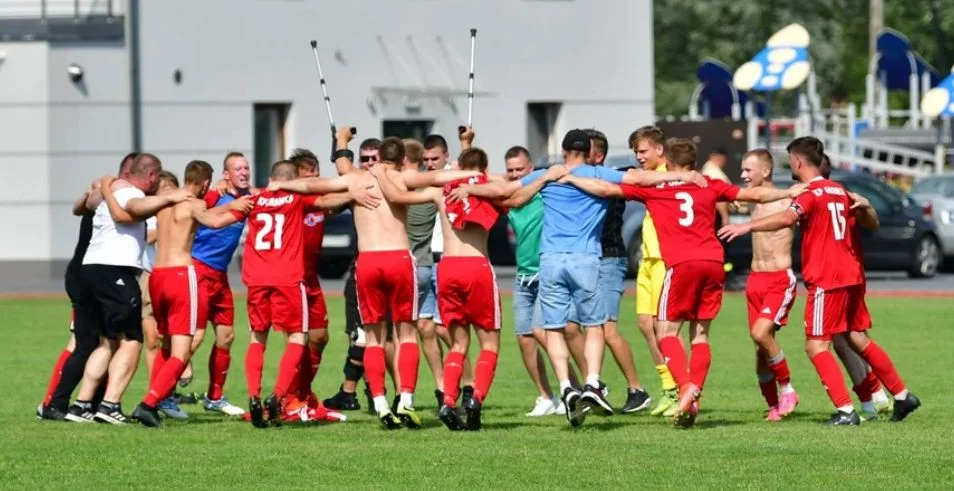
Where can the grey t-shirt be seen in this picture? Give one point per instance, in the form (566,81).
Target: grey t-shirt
(420,229)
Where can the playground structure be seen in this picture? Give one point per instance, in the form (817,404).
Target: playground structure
(909,142)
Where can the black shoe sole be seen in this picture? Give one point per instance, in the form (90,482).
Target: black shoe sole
(597,403)
(258,414)
(391,422)
(451,420)
(473,416)
(274,411)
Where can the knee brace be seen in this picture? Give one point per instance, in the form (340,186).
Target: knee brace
(353,371)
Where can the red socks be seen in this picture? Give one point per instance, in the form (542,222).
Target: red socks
(675,354)
(883,367)
(55,376)
(254,360)
(408,361)
(453,370)
(374,368)
(769,392)
(219,361)
(867,387)
(288,368)
(157,363)
(164,381)
(830,374)
(699,364)
(307,370)
(484,374)
(780,369)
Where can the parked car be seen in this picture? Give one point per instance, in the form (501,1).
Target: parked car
(907,240)
(937,193)
(341,243)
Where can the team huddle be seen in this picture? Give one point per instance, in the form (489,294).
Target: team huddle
(151,269)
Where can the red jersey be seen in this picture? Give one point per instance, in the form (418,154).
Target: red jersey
(314,232)
(684,215)
(273,253)
(472,210)
(830,255)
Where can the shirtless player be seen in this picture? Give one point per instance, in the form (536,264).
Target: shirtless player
(385,272)
(174,288)
(770,291)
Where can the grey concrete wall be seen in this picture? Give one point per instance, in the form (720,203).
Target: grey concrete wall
(594,56)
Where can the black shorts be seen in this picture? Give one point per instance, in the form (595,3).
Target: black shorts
(352,314)
(110,302)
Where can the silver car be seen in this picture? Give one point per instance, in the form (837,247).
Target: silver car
(937,192)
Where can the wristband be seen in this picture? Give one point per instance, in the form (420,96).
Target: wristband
(344,152)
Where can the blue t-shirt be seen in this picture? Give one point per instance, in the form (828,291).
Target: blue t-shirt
(573,219)
(215,247)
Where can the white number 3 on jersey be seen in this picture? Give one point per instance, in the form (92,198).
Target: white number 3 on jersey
(686,208)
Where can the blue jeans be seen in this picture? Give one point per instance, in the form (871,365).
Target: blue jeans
(611,286)
(427,293)
(526,304)
(570,279)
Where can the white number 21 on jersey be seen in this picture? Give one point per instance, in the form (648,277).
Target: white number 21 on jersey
(267,221)
(837,211)
(686,208)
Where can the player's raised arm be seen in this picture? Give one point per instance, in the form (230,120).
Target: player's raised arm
(315,185)
(762,194)
(596,187)
(360,195)
(79,206)
(142,208)
(399,194)
(344,158)
(223,215)
(532,184)
(639,177)
(415,179)
(125,215)
(866,215)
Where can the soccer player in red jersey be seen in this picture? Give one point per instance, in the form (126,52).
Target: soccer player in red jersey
(684,215)
(834,275)
(178,307)
(273,269)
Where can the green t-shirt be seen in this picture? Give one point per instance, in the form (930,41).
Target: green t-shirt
(527,223)
(420,229)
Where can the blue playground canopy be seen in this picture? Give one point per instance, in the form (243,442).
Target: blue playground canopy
(897,59)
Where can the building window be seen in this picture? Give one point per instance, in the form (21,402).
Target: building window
(269,139)
(417,129)
(543,142)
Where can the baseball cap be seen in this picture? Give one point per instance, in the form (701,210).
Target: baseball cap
(576,140)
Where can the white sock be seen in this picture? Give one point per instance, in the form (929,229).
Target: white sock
(593,380)
(879,396)
(407,399)
(564,384)
(381,404)
(847,409)
(777,358)
(786,388)
(868,407)
(900,396)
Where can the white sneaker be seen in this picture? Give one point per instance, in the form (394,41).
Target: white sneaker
(559,407)
(222,405)
(543,407)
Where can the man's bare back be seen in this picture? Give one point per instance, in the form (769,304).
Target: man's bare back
(469,242)
(771,251)
(176,226)
(383,228)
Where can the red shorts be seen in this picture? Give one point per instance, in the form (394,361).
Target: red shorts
(692,291)
(177,302)
(386,280)
(831,312)
(315,299)
(214,285)
(467,292)
(280,307)
(770,295)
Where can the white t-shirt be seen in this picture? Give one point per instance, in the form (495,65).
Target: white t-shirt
(149,251)
(116,244)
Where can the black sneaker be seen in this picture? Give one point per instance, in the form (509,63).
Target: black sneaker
(110,413)
(257,413)
(841,418)
(637,400)
(472,408)
(80,413)
(367,395)
(574,410)
(593,397)
(439,395)
(146,415)
(394,403)
(905,407)
(190,398)
(50,413)
(466,394)
(274,405)
(450,418)
(343,401)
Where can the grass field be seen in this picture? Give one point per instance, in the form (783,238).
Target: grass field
(730,447)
